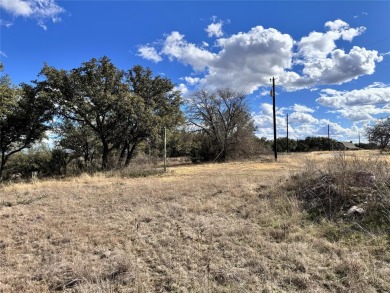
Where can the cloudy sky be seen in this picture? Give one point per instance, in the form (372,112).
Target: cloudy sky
(330,59)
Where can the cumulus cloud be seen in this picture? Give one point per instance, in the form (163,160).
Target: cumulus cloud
(182,88)
(360,104)
(363,113)
(247,60)
(339,68)
(149,53)
(237,61)
(319,45)
(302,118)
(323,63)
(214,29)
(17,7)
(374,94)
(41,10)
(192,80)
(302,109)
(175,47)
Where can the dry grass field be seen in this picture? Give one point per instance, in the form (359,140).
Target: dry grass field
(231,227)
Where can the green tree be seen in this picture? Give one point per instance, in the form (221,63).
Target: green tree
(316,144)
(379,133)
(95,95)
(78,140)
(156,105)
(8,94)
(179,143)
(281,144)
(24,119)
(34,159)
(121,108)
(223,117)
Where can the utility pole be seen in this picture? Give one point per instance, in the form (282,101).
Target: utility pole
(273,94)
(328,138)
(359,139)
(165,149)
(287,132)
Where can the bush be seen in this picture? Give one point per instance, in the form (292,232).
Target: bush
(346,189)
(22,164)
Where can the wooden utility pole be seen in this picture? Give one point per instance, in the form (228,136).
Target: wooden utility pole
(287,132)
(273,94)
(328,138)
(165,149)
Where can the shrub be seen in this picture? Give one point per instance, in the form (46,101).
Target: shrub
(346,189)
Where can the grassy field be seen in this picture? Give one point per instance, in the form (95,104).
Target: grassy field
(231,227)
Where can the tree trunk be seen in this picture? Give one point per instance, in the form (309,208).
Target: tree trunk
(86,155)
(105,156)
(123,153)
(2,164)
(130,153)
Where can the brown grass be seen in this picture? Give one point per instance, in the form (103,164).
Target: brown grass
(198,228)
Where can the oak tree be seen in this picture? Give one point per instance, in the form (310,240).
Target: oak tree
(24,119)
(121,108)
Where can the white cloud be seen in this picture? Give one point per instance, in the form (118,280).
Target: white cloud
(363,113)
(149,53)
(302,118)
(244,61)
(302,108)
(336,25)
(3,54)
(375,94)
(358,105)
(214,29)
(37,9)
(17,7)
(181,88)
(266,109)
(192,80)
(319,45)
(342,67)
(176,47)
(247,60)
(343,30)
(323,63)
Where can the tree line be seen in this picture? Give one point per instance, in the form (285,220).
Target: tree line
(99,117)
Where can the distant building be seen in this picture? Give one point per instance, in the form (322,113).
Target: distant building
(348,145)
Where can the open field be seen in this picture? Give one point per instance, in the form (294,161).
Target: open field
(198,228)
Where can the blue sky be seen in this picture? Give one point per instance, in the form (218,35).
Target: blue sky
(331,59)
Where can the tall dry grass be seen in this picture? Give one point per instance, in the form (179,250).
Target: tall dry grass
(202,228)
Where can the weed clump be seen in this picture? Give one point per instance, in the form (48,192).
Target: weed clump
(345,188)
